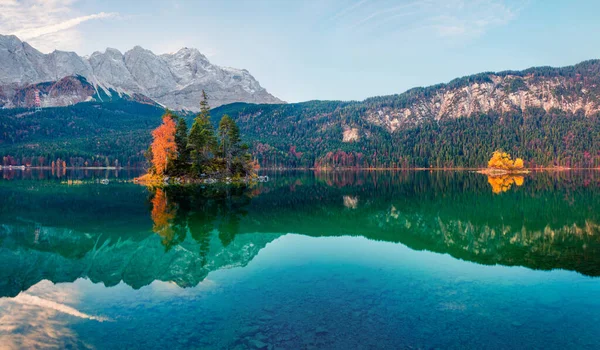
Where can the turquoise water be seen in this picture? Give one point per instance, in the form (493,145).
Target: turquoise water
(307,260)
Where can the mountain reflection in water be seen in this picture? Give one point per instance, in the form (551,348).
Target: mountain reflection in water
(123,232)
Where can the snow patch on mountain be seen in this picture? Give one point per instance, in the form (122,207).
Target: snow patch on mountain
(174,80)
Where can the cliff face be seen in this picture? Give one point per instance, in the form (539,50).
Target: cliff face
(573,90)
(66,91)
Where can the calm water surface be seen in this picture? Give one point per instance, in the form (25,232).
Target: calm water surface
(308,260)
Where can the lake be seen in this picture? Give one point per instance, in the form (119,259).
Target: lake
(332,260)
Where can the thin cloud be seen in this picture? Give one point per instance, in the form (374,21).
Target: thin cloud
(379,13)
(446,19)
(31,33)
(473,20)
(348,9)
(46,24)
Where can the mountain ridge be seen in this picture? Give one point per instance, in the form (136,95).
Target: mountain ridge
(546,115)
(174,80)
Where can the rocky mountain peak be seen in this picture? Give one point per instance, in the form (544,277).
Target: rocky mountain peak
(10,41)
(174,80)
(112,52)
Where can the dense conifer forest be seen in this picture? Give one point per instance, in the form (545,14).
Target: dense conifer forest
(320,133)
(85,134)
(310,135)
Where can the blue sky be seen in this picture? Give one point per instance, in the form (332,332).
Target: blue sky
(327,49)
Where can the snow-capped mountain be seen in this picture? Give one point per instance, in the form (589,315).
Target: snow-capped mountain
(173,80)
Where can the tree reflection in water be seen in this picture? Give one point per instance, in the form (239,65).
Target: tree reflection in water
(503,183)
(181,234)
(199,211)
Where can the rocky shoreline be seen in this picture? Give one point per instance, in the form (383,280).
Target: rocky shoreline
(502,172)
(161,181)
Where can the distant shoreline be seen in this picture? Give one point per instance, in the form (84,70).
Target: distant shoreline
(424,169)
(19,167)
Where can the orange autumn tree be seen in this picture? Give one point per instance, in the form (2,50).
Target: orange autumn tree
(502,160)
(163,215)
(164,148)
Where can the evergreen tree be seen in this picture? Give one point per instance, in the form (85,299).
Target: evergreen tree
(181,139)
(230,147)
(204,107)
(202,141)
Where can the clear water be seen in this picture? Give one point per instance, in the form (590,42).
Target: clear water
(308,260)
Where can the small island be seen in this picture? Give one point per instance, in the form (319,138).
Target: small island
(501,163)
(503,172)
(200,156)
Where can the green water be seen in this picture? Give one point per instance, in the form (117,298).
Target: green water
(307,260)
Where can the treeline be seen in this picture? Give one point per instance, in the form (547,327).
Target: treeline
(291,137)
(301,135)
(85,134)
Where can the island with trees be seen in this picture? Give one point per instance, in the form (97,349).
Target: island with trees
(502,163)
(202,155)
(503,172)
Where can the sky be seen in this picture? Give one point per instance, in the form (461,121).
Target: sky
(325,49)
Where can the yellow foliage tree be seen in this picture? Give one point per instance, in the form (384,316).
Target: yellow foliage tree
(518,164)
(503,160)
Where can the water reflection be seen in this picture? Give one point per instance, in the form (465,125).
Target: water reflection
(68,174)
(120,232)
(503,183)
(163,214)
(36,319)
(199,211)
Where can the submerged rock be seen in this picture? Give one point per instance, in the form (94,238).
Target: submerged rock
(321,331)
(248,331)
(257,344)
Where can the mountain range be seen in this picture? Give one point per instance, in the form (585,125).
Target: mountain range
(547,116)
(173,80)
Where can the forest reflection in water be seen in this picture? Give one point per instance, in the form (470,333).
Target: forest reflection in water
(551,224)
(322,259)
(545,221)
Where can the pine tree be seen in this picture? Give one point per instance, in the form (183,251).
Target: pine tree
(202,141)
(229,136)
(181,139)
(204,107)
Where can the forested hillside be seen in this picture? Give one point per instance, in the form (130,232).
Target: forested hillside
(547,116)
(85,134)
(325,134)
